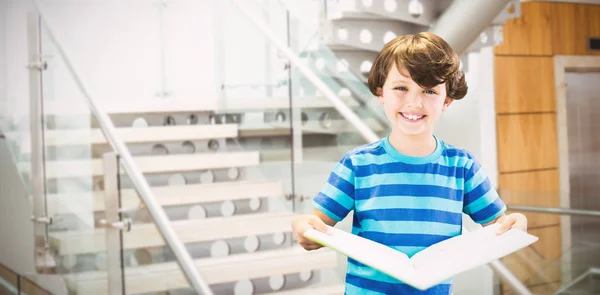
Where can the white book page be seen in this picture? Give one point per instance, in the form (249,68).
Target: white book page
(376,255)
(450,257)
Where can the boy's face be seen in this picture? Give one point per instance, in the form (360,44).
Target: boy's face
(409,108)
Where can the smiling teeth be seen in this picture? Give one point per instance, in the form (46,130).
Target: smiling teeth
(413,117)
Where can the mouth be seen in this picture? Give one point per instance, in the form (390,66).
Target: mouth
(412,117)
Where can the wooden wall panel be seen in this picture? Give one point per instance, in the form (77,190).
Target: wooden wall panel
(534,188)
(528,34)
(569,28)
(522,84)
(32,288)
(537,264)
(593,20)
(526,142)
(543,181)
(531,268)
(549,244)
(8,275)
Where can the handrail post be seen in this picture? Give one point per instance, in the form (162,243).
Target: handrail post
(44,263)
(114,234)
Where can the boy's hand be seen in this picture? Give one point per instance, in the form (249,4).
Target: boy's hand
(513,220)
(301,223)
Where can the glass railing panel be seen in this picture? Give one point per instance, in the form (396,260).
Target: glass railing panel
(149,264)
(275,127)
(320,134)
(568,246)
(74,176)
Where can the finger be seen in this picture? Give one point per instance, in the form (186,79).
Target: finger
(520,224)
(506,224)
(319,225)
(310,245)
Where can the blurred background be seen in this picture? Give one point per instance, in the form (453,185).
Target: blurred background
(163,146)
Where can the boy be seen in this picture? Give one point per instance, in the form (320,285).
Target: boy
(408,190)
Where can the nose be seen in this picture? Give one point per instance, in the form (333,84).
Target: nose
(414,99)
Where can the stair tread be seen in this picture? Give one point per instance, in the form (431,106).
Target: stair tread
(153,164)
(349,15)
(171,195)
(309,127)
(137,135)
(237,104)
(189,231)
(321,289)
(166,276)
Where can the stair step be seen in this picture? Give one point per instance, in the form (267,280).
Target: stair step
(137,135)
(167,276)
(353,15)
(189,231)
(320,289)
(153,164)
(170,195)
(309,127)
(320,153)
(185,106)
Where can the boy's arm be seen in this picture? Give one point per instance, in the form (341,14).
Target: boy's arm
(324,217)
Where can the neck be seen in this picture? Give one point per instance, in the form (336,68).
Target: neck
(413,145)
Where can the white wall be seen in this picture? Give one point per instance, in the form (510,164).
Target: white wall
(115,47)
(3,45)
(470,123)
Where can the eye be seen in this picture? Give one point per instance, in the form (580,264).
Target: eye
(430,92)
(401,88)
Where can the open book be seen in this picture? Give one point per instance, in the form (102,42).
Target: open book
(433,265)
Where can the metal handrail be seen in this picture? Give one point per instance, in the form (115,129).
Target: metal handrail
(550,210)
(337,102)
(139,182)
(349,115)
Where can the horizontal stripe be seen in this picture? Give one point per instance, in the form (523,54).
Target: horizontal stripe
(380,158)
(412,227)
(357,268)
(329,207)
(489,213)
(375,148)
(411,215)
(412,190)
(475,181)
(366,285)
(344,172)
(451,151)
(481,202)
(341,184)
(370,169)
(346,162)
(481,190)
(354,290)
(337,195)
(409,178)
(413,240)
(406,202)
(471,169)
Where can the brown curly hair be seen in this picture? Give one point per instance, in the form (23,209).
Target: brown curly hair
(428,58)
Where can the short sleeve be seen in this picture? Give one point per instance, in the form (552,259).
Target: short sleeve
(336,198)
(481,201)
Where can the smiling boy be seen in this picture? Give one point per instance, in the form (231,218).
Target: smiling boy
(408,191)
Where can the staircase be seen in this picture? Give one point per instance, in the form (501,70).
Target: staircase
(225,170)
(224,210)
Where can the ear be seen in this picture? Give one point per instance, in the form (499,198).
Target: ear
(447,103)
(379,93)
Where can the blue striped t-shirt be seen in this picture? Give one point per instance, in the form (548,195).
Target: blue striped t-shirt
(407,203)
